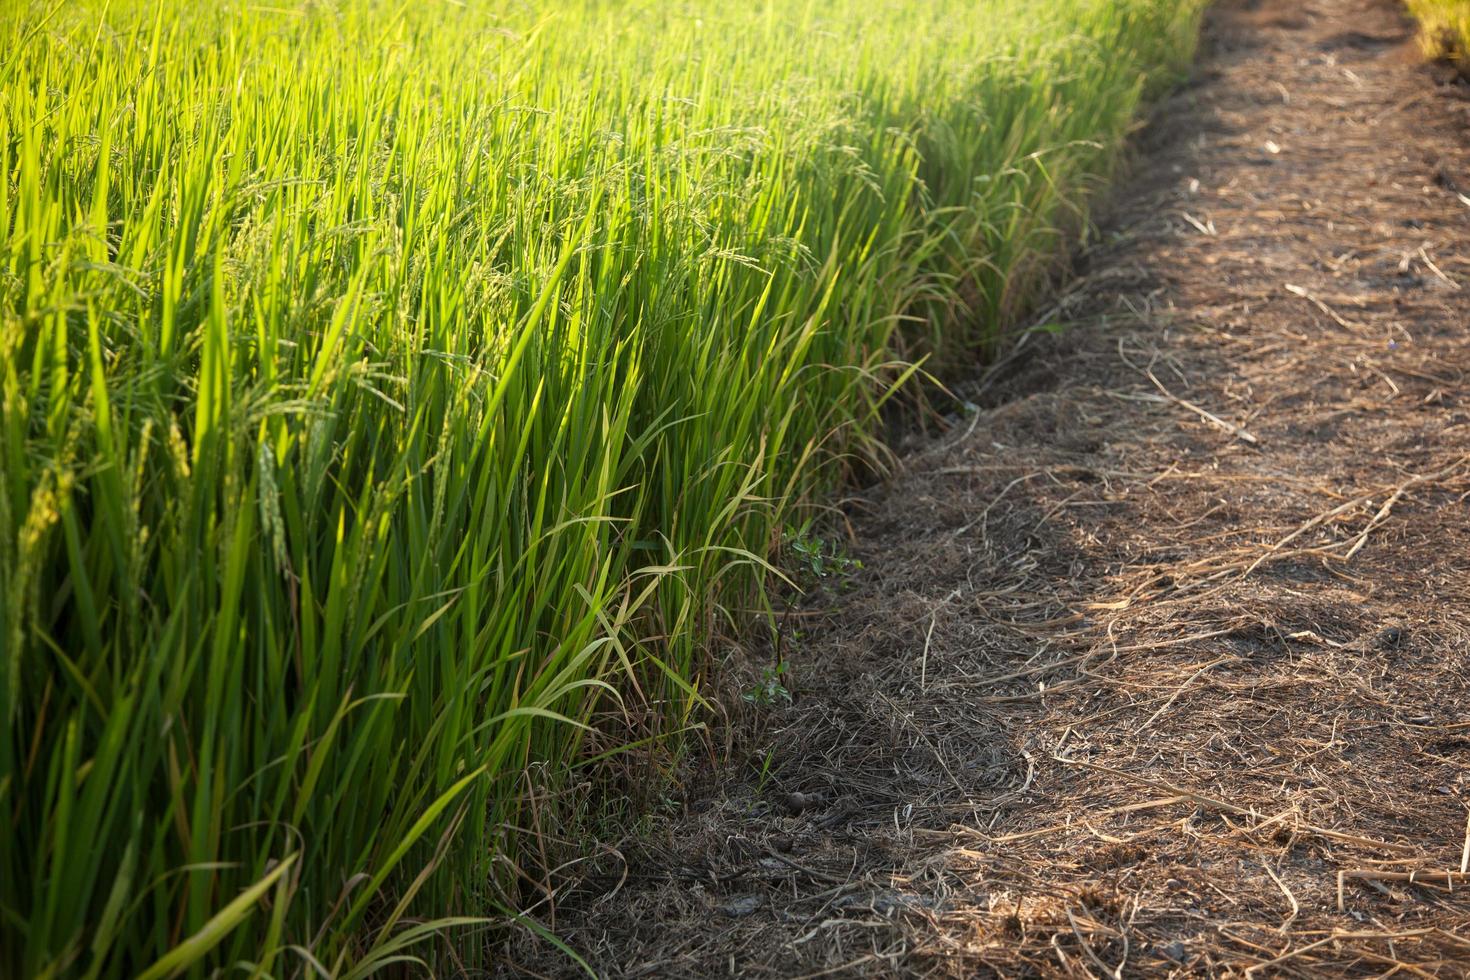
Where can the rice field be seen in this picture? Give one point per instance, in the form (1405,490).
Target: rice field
(397,399)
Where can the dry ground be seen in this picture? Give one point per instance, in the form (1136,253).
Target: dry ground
(1159,663)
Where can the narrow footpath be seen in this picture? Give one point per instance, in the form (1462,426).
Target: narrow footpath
(1158,664)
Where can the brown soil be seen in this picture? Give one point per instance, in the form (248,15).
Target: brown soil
(1159,663)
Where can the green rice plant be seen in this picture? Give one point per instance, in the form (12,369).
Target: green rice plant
(395,397)
(1445,29)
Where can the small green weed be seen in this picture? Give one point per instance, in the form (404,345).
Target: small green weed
(771,690)
(765,773)
(817,556)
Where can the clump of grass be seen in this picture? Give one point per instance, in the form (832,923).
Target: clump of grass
(389,391)
(1445,29)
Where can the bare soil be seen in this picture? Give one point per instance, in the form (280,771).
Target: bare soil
(1159,661)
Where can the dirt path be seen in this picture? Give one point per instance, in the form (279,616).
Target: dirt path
(1123,689)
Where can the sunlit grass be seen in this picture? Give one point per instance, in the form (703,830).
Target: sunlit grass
(387,390)
(1446,28)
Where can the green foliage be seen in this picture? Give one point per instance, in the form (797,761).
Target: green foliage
(817,557)
(771,690)
(390,392)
